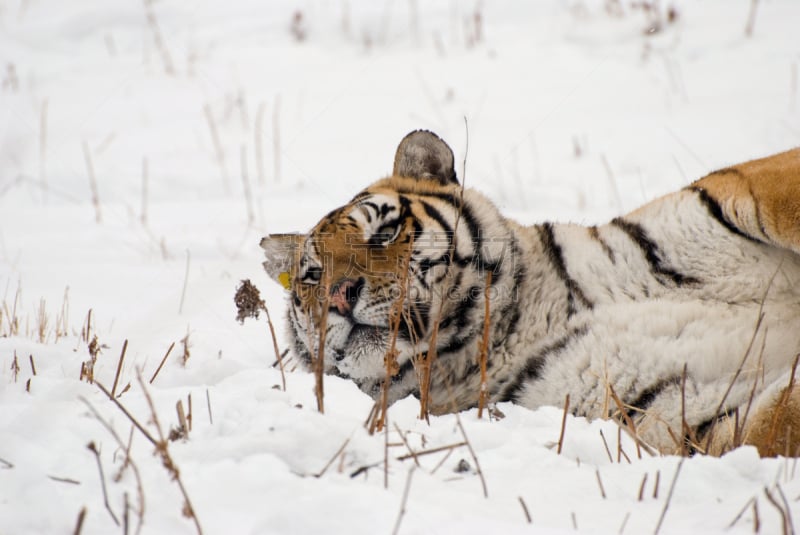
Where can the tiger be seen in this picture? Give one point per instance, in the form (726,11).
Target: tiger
(681,319)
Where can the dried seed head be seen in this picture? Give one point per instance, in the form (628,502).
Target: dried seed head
(248,301)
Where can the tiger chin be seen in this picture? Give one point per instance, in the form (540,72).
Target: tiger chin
(681,318)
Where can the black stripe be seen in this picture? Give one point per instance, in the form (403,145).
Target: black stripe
(715,211)
(651,252)
(594,234)
(553,251)
(437,216)
(535,364)
(647,396)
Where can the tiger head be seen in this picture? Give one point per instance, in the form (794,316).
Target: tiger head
(403,263)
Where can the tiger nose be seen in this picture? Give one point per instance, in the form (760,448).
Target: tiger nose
(344,295)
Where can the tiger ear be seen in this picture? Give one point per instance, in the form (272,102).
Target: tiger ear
(281,251)
(423,155)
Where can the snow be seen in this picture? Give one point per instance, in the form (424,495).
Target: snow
(572,113)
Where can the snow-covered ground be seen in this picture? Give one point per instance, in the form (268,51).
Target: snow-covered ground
(200,126)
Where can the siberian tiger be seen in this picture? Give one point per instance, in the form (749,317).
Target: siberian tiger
(681,317)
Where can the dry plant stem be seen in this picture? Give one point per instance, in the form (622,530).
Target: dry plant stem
(404,501)
(669,496)
(6,465)
(94,450)
(788,510)
(751,18)
(629,425)
(248,194)
(162,448)
(426,363)
(278,355)
(220,153)
(161,364)
(185,281)
(208,404)
(741,512)
(319,364)
(656,485)
(780,407)
(33,366)
(43,148)
(128,460)
(158,37)
(525,510)
(330,462)
(605,444)
(259,143)
(119,368)
(87,155)
(406,444)
(484,346)
(64,480)
(418,454)
(600,484)
(787,527)
(276,139)
(133,420)
(641,488)
(385,451)
(79,522)
(564,426)
(474,457)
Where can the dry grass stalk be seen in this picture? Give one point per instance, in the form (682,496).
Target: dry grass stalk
(15,366)
(248,305)
(33,366)
(119,368)
(474,457)
(5,464)
(42,322)
(525,510)
(425,363)
(28,386)
(185,284)
(605,444)
(751,18)
(87,367)
(182,431)
(248,194)
(87,155)
(11,315)
(319,362)
(786,518)
(66,480)
(600,484)
(750,502)
(330,462)
(656,484)
(189,414)
(208,405)
(128,461)
(416,455)
(86,329)
(780,408)
(406,444)
(630,426)
(162,449)
(218,150)
(276,139)
(62,320)
(641,488)
(43,147)
(93,448)
(404,501)
(79,523)
(186,348)
(484,346)
(621,452)
(158,38)
(161,364)
(669,496)
(259,143)
(564,425)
